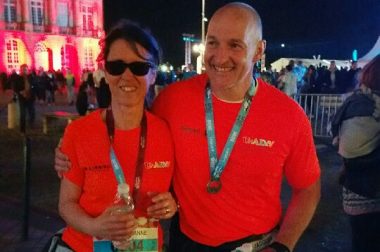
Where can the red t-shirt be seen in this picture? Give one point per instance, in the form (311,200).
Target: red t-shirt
(87,145)
(275,140)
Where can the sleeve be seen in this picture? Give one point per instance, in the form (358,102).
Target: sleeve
(69,148)
(302,165)
(159,105)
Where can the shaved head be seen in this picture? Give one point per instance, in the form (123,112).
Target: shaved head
(233,45)
(243,11)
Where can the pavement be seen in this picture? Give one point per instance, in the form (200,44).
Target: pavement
(328,231)
(15,236)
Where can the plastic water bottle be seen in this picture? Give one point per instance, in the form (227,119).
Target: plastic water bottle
(123,204)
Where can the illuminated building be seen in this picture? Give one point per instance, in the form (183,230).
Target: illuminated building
(53,34)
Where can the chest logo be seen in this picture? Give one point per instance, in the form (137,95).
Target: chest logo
(259,142)
(157,164)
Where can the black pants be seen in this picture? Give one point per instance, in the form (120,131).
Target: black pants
(26,106)
(179,242)
(365,232)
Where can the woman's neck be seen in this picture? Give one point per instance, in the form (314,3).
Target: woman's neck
(127,117)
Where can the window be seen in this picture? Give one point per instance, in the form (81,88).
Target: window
(37,12)
(12,55)
(87,15)
(63,14)
(88,59)
(10,11)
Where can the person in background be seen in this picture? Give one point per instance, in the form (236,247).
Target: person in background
(352,77)
(189,72)
(299,70)
(225,204)
(81,103)
(23,86)
(356,131)
(331,79)
(70,84)
(140,142)
(289,81)
(6,92)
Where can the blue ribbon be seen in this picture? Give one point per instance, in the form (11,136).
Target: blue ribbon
(217,166)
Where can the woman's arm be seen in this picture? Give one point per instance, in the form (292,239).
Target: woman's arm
(116,227)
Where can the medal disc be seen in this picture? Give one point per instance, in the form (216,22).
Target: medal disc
(214,186)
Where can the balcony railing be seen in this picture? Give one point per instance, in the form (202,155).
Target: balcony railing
(65,30)
(38,28)
(12,26)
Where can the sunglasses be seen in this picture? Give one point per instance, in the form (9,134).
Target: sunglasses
(138,68)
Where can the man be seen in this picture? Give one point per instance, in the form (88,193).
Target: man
(23,86)
(352,77)
(331,80)
(237,203)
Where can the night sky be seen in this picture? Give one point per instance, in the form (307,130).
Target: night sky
(332,28)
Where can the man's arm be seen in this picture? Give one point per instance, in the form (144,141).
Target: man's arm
(299,213)
(61,162)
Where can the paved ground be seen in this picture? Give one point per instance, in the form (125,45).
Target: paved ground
(329,230)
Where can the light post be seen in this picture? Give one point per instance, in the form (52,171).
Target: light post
(200,61)
(203,22)
(199,48)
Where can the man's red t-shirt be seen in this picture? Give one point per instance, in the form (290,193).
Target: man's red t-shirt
(275,140)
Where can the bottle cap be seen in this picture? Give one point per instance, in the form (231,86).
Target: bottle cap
(123,188)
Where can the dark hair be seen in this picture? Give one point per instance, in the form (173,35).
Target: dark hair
(371,74)
(133,34)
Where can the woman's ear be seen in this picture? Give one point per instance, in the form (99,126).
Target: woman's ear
(152,76)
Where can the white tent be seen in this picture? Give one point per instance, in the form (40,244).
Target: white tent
(371,54)
(283,62)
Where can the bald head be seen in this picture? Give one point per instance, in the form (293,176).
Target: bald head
(233,45)
(241,12)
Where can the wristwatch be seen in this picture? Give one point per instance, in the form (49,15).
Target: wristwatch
(279,247)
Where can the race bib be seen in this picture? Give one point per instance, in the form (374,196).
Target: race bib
(144,239)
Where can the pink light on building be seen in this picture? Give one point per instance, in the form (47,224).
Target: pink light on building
(52,34)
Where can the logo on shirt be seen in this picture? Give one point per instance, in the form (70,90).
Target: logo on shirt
(157,164)
(190,130)
(258,142)
(100,167)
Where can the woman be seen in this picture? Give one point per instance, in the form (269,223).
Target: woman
(356,127)
(88,189)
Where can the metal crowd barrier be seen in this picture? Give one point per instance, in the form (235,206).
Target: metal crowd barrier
(320,109)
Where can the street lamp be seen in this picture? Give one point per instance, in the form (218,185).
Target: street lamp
(204,19)
(199,48)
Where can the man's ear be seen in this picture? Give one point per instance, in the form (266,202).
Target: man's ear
(260,49)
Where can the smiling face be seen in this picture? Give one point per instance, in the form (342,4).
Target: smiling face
(128,89)
(233,45)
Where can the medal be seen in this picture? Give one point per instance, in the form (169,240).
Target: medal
(217,165)
(214,186)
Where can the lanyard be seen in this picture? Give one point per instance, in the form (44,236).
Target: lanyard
(140,158)
(217,166)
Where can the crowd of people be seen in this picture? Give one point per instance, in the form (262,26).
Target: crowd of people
(296,78)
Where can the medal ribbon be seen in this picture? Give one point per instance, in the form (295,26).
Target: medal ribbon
(217,166)
(141,153)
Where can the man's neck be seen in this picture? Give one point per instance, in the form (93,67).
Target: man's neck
(232,94)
